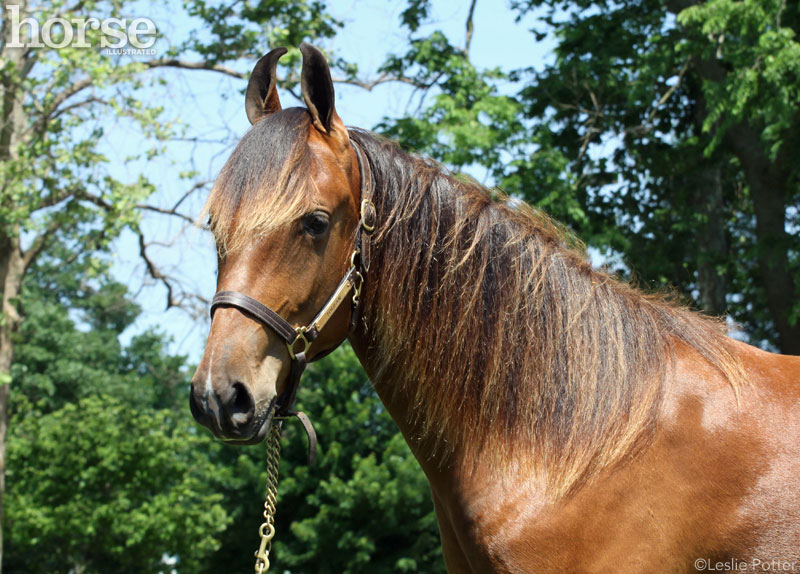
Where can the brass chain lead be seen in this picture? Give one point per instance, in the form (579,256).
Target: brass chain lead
(267,530)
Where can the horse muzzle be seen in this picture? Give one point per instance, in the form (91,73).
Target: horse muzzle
(232,414)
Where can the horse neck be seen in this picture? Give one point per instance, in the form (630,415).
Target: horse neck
(448,462)
(413,194)
(489,338)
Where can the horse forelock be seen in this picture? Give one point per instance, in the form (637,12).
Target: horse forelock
(265,183)
(489,316)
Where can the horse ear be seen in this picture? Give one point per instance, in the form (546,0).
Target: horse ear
(318,91)
(261,98)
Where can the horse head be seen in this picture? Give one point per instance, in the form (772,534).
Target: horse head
(284,212)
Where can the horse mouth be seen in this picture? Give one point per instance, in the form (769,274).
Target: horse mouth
(260,426)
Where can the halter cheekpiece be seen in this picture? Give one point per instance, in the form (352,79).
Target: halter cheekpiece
(299,338)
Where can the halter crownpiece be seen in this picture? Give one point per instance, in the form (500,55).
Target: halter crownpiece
(298,339)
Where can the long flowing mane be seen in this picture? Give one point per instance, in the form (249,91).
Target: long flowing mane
(499,328)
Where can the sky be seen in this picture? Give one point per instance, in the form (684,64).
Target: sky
(210,108)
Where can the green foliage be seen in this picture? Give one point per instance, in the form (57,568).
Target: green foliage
(105,468)
(754,40)
(415,13)
(381,517)
(234,30)
(102,486)
(365,506)
(644,135)
(668,118)
(469,121)
(230,31)
(68,348)
(56,155)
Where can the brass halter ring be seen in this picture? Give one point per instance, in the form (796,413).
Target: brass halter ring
(301,336)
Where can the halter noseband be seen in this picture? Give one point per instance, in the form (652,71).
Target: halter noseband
(299,338)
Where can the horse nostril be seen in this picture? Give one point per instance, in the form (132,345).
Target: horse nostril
(240,406)
(196,407)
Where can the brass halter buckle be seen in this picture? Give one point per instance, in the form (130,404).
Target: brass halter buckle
(368,215)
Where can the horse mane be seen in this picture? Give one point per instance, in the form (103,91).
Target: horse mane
(490,317)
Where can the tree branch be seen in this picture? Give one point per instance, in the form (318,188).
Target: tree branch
(195,187)
(86,102)
(174,299)
(97,200)
(370,84)
(470,15)
(186,65)
(39,125)
(39,243)
(165,211)
(647,125)
(153,271)
(64,95)
(173,211)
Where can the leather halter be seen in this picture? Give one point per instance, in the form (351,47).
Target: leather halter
(299,338)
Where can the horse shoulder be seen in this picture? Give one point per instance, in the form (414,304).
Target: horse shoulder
(717,478)
(770,410)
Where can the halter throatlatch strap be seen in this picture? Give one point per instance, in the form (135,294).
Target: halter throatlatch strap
(299,339)
(368,215)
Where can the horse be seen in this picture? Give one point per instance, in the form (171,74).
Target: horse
(565,420)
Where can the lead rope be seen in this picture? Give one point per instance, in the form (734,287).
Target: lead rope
(267,530)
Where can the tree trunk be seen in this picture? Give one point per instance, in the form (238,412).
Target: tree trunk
(12,264)
(711,239)
(711,233)
(11,274)
(768,184)
(6,355)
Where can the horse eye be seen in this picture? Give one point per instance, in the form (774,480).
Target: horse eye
(315,224)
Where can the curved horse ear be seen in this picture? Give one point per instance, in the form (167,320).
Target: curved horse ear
(261,98)
(318,91)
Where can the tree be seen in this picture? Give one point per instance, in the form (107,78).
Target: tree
(663,134)
(57,186)
(54,190)
(106,470)
(704,112)
(129,491)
